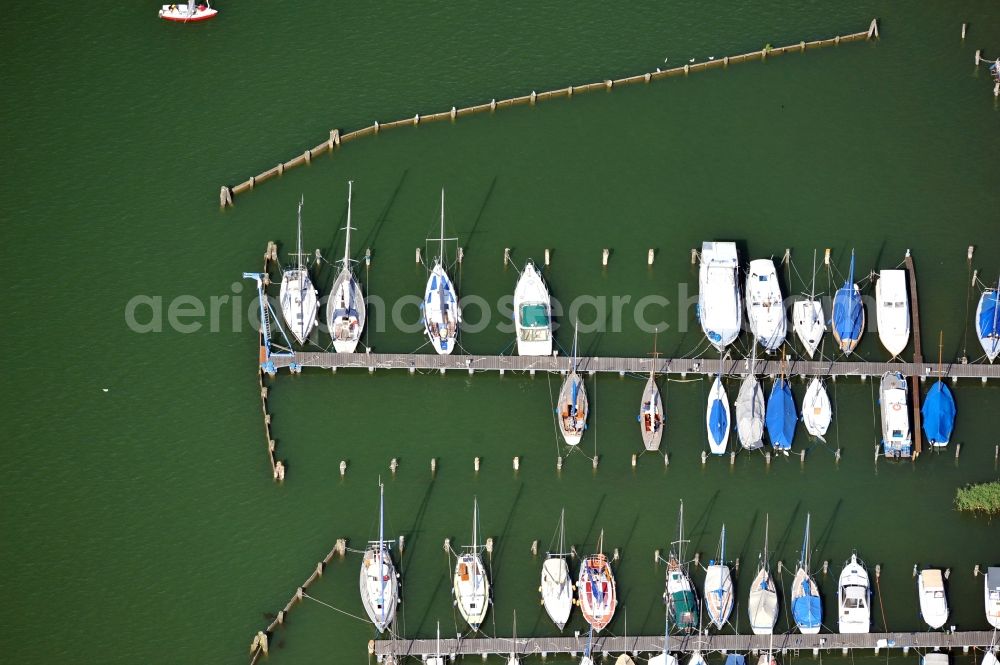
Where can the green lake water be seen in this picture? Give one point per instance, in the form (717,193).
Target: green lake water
(141,524)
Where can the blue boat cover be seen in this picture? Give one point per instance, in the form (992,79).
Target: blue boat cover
(989,316)
(718,421)
(736,659)
(938,413)
(780,418)
(847,312)
(807,610)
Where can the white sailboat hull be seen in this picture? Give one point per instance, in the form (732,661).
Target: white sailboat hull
(299,303)
(991,595)
(763,604)
(854,596)
(663,659)
(765,307)
(472,589)
(557,590)
(807,320)
(717,444)
(989,341)
(802,581)
(719,301)
(532,314)
(933,602)
(379,590)
(892,311)
(651,416)
(750,414)
(817,412)
(718,594)
(346,312)
(572,421)
(442,315)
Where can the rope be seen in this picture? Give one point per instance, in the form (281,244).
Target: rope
(881,605)
(874,422)
(555,423)
(353,616)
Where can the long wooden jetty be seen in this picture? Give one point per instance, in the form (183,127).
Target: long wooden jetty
(930,641)
(561,364)
(336,138)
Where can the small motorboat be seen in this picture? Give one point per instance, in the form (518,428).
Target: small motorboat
(848,314)
(988,322)
(188,13)
(896,436)
(991,595)
(557,584)
(892,311)
(719,307)
(717,417)
(532,313)
(933,602)
(470,584)
(345,309)
(298,297)
(765,306)
(719,586)
(854,598)
(596,589)
(573,407)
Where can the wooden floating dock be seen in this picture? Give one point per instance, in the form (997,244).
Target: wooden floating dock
(336,138)
(931,641)
(918,357)
(561,364)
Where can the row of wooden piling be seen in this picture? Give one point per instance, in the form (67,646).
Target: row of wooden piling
(336,138)
(277,466)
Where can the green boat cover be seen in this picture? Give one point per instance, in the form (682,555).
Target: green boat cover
(534,316)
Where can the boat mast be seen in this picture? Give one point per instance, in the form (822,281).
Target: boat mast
(347,243)
(812,289)
(562,532)
(576,330)
(805,545)
(298,250)
(767,527)
(722,546)
(441,256)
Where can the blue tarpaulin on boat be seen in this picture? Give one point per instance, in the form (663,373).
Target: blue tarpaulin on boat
(807,611)
(781,416)
(847,309)
(938,413)
(735,659)
(989,316)
(718,421)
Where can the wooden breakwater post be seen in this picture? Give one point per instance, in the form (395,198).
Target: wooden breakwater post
(918,359)
(277,466)
(259,645)
(337,139)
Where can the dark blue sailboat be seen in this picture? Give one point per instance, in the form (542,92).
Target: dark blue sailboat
(781,415)
(848,313)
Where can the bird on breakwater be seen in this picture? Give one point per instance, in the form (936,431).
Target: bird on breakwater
(691,60)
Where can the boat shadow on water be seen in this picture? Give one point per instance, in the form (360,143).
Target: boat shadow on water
(495,560)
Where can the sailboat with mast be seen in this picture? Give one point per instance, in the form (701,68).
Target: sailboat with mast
(682,604)
(781,416)
(379,581)
(763,605)
(441,312)
(298,297)
(470,584)
(807,318)
(765,306)
(750,409)
(557,584)
(806,607)
(717,416)
(988,321)
(817,412)
(719,586)
(345,311)
(848,314)
(596,589)
(573,407)
(651,410)
(938,412)
(664,658)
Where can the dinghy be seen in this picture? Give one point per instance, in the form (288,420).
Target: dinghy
(379,590)
(781,416)
(573,407)
(557,585)
(933,602)
(719,307)
(717,416)
(892,311)
(988,322)
(854,598)
(439,657)
(682,604)
(896,438)
(188,13)
(848,314)
(299,301)
(596,589)
(807,318)
(816,409)
(750,413)
(991,595)
(345,311)
(651,411)
(765,307)
(470,584)
(719,586)
(441,312)
(533,313)
(938,411)
(763,602)
(806,607)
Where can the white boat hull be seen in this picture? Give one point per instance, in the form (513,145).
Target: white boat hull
(750,414)
(799,584)
(472,589)
(379,590)
(299,303)
(346,312)
(892,311)
(989,341)
(650,417)
(184,13)
(991,595)
(765,306)
(933,601)
(719,301)
(807,320)
(532,314)
(817,412)
(557,590)
(763,604)
(441,312)
(854,596)
(717,443)
(718,594)
(896,435)
(572,417)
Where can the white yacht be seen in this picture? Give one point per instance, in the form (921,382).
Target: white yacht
(765,307)
(718,592)
(719,306)
(470,584)
(933,602)
(896,436)
(379,586)
(817,411)
(532,313)
(557,584)
(854,598)
(763,601)
(298,297)
(440,306)
(345,310)
(892,311)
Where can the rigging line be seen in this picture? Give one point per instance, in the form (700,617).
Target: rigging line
(554,408)
(881,605)
(335,609)
(968,298)
(874,422)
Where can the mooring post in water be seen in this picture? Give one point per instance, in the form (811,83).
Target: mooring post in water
(506,256)
(963,30)
(649,256)
(547,256)
(604,256)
